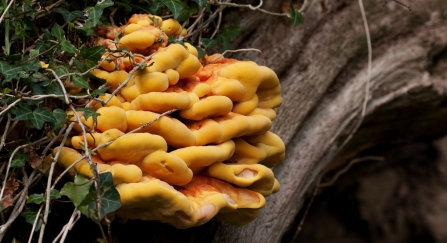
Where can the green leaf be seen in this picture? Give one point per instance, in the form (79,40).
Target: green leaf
(176,6)
(69,16)
(43,46)
(31,66)
(225,34)
(100,91)
(9,72)
(201,2)
(93,54)
(23,113)
(58,32)
(36,118)
(60,117)
(110,198)
(184,14)
(35,198)
(6,90)
(173,40)
(296,16)
(54,88)
(77,191)
(55,194)
(30,25)
(30,215)
(19,160)
(155,6)
(201,53)
(88,112)
(94,14)
(229,31)
(79,65)
(33,53)
(206,43)
(80,82)
(68,47)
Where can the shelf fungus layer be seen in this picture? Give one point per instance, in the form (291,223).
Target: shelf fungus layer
(211,156)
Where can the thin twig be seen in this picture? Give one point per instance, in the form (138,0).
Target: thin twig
(50,176)
(257,8)
(136,68)
(12,156)
(35,224)
(19,205)
(347,167)
(240,50)
(75,216)
(6,11)
(306,212)
(219,20)
(208,21)
(67,100)
(5,133)
(363,111)
(10,106)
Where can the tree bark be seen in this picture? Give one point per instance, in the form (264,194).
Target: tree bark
(323,68)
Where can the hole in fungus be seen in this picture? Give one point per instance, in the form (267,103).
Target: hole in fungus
(169,169)
(247,173)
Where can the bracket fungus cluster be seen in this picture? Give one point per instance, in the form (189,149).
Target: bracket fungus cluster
(211,157)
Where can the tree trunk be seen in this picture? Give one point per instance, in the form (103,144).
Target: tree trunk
(323,68)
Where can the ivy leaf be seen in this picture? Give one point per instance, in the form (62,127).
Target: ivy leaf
(36,118)
(201,2)
(80,82)
(79,65)
(30,215)
(225,35)
(94,14)
(184,14)
(35,198)
(88,112)
(60,117)
(29,23)
(176,6)
(201,53)
(69,16)
(296,16)
(33,53)
(100,91)
(55,194)
(31,66)
(110,198)
(7,90)
(58,32)
(77,191)
(19,160)
(156,5)
(93,54)
(206,43)
(54,88)
(68,47)
(9,72)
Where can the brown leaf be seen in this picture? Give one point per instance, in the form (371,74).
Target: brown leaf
(11,186)
(34,159)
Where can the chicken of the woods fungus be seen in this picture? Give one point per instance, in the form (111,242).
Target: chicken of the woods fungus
(211,157)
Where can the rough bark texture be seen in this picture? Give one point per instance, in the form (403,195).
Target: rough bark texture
(322,66)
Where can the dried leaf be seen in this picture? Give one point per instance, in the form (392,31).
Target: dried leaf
(11,186)
(34,159)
